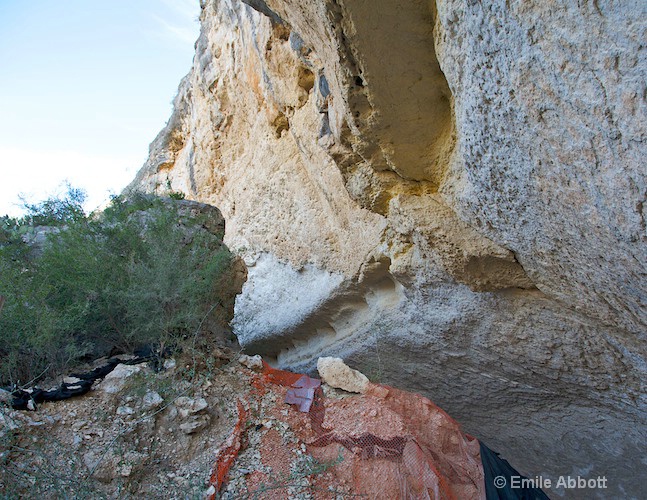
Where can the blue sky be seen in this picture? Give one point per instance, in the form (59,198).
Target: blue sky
(85,86)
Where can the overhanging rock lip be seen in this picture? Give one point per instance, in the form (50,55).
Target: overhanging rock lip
(273,301)
(266,322)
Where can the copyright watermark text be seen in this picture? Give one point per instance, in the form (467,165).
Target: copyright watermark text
(566,482)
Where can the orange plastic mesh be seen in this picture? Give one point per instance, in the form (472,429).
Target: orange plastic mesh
(386,443)
(279,377)
(228,452)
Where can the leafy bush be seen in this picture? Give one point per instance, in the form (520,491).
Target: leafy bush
(56,211)
(141,272)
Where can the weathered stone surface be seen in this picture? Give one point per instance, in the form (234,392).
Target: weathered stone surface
(117,379)
(252,362)
(36,238)
(337,374)
(449,196)
(194,424)
(190,406)
(107,465)
(192,412)
(551,146)
(152,399)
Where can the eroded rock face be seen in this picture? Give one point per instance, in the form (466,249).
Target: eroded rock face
(551,161)
(448,195)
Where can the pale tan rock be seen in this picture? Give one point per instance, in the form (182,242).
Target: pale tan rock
(551,116)
(337,374)
(188,407)
(252,362)
(194,424)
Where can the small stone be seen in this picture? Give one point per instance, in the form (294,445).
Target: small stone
(378,391)
(252,362)
(126,470)
(125,410)
(336,373)
(169,364)
(190,406)
(152,399)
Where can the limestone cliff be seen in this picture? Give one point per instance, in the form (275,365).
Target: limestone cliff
(450,194)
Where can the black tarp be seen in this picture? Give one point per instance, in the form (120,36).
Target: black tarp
(27,399)
(498,479)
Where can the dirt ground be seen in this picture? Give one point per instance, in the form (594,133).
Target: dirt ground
(150,435)
(212,428)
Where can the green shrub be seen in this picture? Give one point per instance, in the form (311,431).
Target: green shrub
(141,272)
(56,211)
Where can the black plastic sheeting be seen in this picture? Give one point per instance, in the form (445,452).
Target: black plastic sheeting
(498,479)
(28,399)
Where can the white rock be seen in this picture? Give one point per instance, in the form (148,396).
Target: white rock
(190,406)
(152,399)
(115,381)
(336,373)
(126,470)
